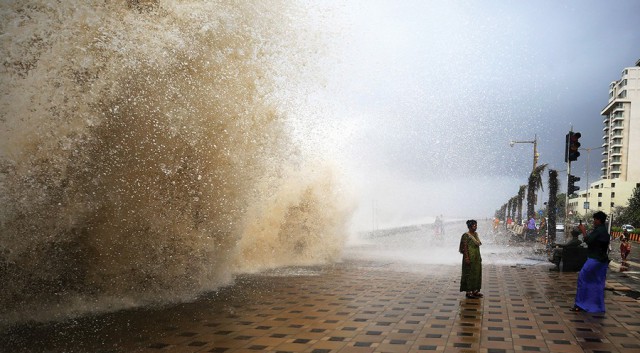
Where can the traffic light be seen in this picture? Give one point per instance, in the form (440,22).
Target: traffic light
(571,152)
(572,188)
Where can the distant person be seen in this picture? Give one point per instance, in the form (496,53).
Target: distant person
(531,228)
(542,230)
(471,279)
(496,223)
(592,276)
(625,246)
(556,255)
(437,228)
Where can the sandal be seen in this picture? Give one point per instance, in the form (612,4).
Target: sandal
(471,296)
(576,309)
(478,294)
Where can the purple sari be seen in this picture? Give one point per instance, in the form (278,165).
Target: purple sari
(591,282)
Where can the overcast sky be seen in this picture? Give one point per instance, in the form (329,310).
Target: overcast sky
(425,96)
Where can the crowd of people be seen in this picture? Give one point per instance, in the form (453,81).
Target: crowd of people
(591,280)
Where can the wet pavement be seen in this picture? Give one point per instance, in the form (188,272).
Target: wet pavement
(368,305)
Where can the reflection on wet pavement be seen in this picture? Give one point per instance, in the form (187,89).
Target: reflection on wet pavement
(362,305)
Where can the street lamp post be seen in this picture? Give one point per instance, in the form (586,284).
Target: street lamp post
(535,149)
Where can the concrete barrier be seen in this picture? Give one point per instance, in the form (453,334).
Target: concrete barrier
(632,236)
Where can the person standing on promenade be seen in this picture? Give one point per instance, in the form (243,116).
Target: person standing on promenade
(592,276)
(531,228)
(542,230)
(471,279)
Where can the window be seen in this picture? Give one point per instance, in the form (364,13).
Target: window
(613,195)
(613,204)
(623,94)
(599,194)
(599,204)
(613,185)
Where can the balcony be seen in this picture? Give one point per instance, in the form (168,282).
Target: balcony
(617,143)
(618,127)
(605,128)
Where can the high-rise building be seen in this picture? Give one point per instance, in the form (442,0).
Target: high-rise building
(620,172)
(621,132)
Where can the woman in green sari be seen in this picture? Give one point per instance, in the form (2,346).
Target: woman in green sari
(471,280)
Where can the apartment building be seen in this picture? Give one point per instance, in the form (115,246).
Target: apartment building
(620,172)
(621,132)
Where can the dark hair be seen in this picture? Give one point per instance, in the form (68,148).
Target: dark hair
(471,222)
(601,216)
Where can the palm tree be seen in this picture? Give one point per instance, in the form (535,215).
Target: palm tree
(553,199)
(519,202)
(535,184)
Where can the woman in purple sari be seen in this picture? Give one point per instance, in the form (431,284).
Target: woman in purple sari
(592,276)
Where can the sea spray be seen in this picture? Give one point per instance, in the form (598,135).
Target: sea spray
(300,224)
(141,145)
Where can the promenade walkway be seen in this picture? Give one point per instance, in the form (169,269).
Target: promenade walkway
(370,302)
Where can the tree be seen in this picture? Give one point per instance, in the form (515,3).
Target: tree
(631,214)
(552,205)
(520,200)
(561,209)
(534,184)
(616,214)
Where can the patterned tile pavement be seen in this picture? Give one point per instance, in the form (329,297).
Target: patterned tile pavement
(360,306)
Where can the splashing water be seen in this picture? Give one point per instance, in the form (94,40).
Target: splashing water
(145,154)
